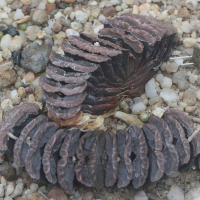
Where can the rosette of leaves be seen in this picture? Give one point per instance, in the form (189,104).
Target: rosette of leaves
(98,158)
(94,74)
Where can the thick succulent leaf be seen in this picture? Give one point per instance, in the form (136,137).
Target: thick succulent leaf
(21,145)
(112,165)
(169,151)
(156,157)
(48,161)
(141,161)
(58,74)
(67,62)
(95,165)
(57,100)
(65,166)
(82,153)
(181,143)
(67,89)
(125,166)
(63,113)
(14,123)
(33,156)
(188,126)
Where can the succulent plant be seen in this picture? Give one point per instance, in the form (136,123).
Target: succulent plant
(92,77)
(95,73)
(98,158)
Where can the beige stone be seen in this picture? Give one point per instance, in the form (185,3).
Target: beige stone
(41,34)
(69,1)
(57,194)
(39,16)
(25,19)
(26,2)
(7,77)
(22,92)
(29,77)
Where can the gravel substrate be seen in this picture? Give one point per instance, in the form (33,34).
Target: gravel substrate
(31,29)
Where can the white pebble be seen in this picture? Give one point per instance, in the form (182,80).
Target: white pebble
(115,2)
(16,43)
(1,190)
(198,94)
(28,191)
(93,3)
(150,88)
(3,181)
(76,26)
(18,14)
(23,36)
(58,15)
(18,190)
(191,4)
(1,56)
(51,23)
(14,94)
(159,77)
(81,16)
(166,82)
(4,16)
(19,180)
(102,18)
(41,6)
(69,32)
(169,95)
(98,28)
(179,61)
(6,104)
(175,193)
(141,195)
(47,30)
(10,189)
(186,27)
(8,198)
(158,112)
(171,67)
(3,3)
(138,107)
(118,8)
(189,42)
(5,41)
(34,187)
(193,78)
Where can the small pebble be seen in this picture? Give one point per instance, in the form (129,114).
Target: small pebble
(1,34)
(51,1)
(138,107)
(57,194)
(158,112)
(18,190)
(144,117)
(7,103)
(12,31)
(175,193)
(169,95)
(23,26)
(150,88)
(141,195)
(88,196)
(34,187)
(189,97)
(9,189)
